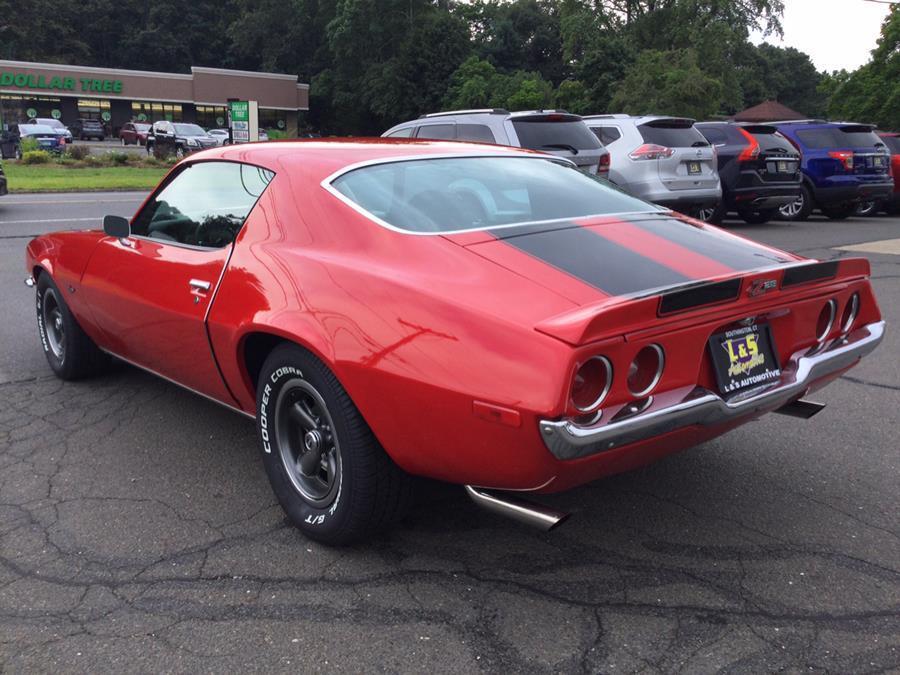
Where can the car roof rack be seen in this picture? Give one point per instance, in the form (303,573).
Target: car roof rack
(480,111)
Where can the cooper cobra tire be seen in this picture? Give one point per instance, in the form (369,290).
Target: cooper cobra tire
(758,217)
(348,488)
(71,354)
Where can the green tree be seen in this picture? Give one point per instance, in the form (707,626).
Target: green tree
(668,82)
(872,92)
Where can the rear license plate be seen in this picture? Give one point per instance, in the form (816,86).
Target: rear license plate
(879,162)
(693,168)
(782,167)
(744,358)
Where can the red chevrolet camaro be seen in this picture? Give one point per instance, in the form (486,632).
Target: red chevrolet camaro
(476,314)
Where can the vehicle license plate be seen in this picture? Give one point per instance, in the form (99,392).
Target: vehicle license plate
(693,168)
(782,167)
(744,358)
(879,161)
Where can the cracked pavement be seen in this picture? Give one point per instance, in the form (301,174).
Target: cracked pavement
(138,533)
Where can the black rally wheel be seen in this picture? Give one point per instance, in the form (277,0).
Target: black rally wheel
(329,473)
(69,351)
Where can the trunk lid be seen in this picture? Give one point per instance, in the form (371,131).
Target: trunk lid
(690,163)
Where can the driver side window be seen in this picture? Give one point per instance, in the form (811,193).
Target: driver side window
(203,205)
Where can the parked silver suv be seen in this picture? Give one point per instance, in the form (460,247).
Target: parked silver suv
(664,160)
(552,131)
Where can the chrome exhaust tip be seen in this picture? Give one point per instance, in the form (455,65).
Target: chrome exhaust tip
(544,518)
(801,408)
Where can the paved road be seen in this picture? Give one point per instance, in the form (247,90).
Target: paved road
(138,533)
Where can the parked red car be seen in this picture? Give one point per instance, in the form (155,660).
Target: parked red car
(892,140)
(482,315)
(134,133)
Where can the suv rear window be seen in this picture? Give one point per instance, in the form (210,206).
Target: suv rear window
(672,134)
(839,137)
(769,139)
(546,133)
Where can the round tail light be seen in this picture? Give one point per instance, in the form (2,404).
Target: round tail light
(645,370)
(826,320)
(851,311)
(591,383)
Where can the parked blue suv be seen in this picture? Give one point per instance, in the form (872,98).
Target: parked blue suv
(843,164)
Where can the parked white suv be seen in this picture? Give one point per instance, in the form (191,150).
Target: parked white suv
(552,131)
(664,160)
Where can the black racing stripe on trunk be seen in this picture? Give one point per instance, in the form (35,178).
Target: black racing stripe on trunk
(719,247)
(805,274)
(602,263)
(699,296)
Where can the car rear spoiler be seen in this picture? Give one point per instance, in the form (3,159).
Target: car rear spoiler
(619,315)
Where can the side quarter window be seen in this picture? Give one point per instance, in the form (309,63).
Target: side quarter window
(204,205)
(401,133)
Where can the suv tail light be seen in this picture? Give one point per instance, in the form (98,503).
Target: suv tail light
(603,166)
(751,152)
(845,157)
(651,151)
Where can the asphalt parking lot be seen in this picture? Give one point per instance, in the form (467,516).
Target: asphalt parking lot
(138,532)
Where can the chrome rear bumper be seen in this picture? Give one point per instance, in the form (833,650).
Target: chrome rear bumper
(700,407)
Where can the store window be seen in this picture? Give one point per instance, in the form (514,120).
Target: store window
(148,111)
(93,109)
(212,117)
(273,121)
(19,109)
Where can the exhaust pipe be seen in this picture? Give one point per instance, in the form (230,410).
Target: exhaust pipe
(801,408)
(544,518)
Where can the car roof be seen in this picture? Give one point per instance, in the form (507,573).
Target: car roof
(637,119)
(321,157)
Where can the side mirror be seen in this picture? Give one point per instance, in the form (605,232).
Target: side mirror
(116,226)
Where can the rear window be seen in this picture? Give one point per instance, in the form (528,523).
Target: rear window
(480,133)
(714,135)
(607,135)
(770,140)
(892,143)
(546,133)
(839,137)
(672,134)
(439,195)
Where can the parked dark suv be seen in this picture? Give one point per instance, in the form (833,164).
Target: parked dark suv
(843,164)
(3,189)
(758,167)
(85,129)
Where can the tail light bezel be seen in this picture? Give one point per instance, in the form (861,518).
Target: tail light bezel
(831,307)
(848,319)
(657,376)
(598,401)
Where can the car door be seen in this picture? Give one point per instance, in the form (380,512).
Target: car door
(151,292)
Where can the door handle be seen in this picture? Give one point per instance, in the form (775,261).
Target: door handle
(199,285)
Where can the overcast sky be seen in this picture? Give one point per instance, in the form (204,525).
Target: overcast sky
(835,33)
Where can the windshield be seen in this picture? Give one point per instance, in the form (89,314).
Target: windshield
(546,133)
(55,124)
(189,130)
(443,195)
(31,129)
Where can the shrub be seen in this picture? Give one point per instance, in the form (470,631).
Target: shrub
(29,145)
(78,152)
(117,158)
(275,134)
(94,160)
(35,157)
